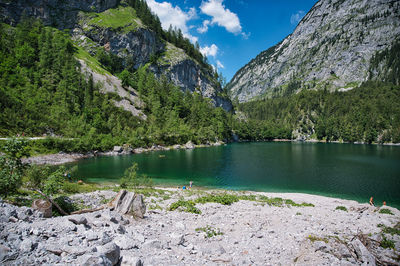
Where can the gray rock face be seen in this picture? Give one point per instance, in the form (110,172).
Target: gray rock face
(59,13)
(330,48)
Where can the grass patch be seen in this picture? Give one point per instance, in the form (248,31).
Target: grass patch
(342,208)
(184,205)
(313,238)
(122,18)
(386,211)
(210,231)
(91,61)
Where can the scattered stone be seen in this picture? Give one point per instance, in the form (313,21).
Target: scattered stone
(78,219)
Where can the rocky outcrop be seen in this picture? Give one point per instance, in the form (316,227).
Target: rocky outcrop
(330,48)
(59,13)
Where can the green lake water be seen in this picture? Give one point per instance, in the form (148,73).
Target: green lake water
(339,170)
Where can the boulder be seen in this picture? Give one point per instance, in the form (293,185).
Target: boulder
(129,203)
(131,261)
(138,207)
(189,145)
(111,251)
(362,253)
(117,149)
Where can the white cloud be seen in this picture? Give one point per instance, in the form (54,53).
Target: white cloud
(295,18)
(204,28)
(170,15)
(221,16)
(209,50)
(219,64)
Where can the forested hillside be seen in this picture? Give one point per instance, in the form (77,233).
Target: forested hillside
(42,91)
(370,113)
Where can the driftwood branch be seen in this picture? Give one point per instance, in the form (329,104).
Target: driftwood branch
(52,201)
(89,210)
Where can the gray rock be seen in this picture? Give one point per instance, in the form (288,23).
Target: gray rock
(362,252)
(26,246)
(177,239)
(78,219)
(125,242)
(153,244)
(117,149)
(131,261)
(98,261)
(332,45)
(321,246)
(344,251)
(111,251)
(4,250)
(138,208)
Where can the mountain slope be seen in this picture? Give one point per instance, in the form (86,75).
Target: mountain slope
(330,48)
(112,29)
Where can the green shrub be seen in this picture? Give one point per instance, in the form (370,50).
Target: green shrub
(65,204)
(386,211)
(224,199)
(342,208)
(186,206)
(132,179)
(11,167)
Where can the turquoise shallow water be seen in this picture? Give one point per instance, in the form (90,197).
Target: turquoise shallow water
(339,170)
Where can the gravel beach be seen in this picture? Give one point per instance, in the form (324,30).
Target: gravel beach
(247,232)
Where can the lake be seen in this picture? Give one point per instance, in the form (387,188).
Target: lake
(347,171)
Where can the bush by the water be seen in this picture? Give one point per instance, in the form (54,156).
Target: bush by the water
(184,205)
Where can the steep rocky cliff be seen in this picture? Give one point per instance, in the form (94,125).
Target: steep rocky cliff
(330,48)
(114,26)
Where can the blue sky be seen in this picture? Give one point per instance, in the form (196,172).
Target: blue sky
(232,32)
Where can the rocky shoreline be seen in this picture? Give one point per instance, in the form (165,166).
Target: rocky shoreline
(63,158)
(258,229)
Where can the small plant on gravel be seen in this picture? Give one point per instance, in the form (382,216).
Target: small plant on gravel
(298,213)
(387,243)
(184,205)
(210,231)
(386,211)
(342,208)
(313,238)
(155,207)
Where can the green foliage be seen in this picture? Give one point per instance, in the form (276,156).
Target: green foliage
(390,230)
(48,94)
(120,18)
(132,179)
(342,208)
(369,113)
(65,204)
(314,238)
(210,231)
(387,243)
(184,205)
(11,167)
(386,211)
(54,183)
(224,199)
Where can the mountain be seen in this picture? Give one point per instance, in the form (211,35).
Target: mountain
(115,29)
(331,48)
